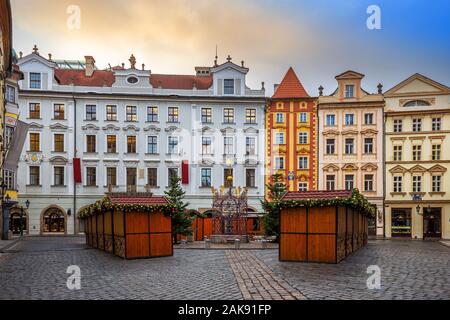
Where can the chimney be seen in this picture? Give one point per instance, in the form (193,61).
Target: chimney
(275,87)
(90,66)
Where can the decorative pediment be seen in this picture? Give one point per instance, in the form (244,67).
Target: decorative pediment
(398,169)
(251,130)
(111,163)
(331,168)
(207,163)
(206,130)
(58,126)
(111,128)
(59,159)
(349,133)
(418,169)
(417,84)
(228,130)
(152,129)
(350,167)
(303,150)
(438,169)
(35,126)
(173,129)
(132,128)
(251,163)
(331,133)
(90,127)
(131,163)
(369,132)
(350,74)
(369,167)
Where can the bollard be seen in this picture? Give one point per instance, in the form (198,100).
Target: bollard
(207,243)
(183,243)
(237,243)
(264,243)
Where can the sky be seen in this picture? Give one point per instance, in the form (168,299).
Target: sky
(319,39)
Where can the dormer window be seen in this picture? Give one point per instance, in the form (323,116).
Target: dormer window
(35,80)
(132,80)
(228,86)
(349,91)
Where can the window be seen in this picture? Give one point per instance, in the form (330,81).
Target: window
(91,177)
(152,114)
(10,94)
(206,178)
(111,177)
(250,146)
(228,145)
(417,125)
(173,145)
(35,177)
(368,182)
(59,143)
(368,118)
(303,163)
(228,86)
(349,146)
(228,115)
(111,113)
(436,124)
(436,152)
(250,116)
(331,183)
(173,173)
(131,179)
(152,145)
(303,117)
(279,138)
(417,153)
(35,142)
(417,183)
(131,144)
(349,119)
(91,144)
(58,112)
(132,80)
(368,145)
(398,153)
(152,177)
(131,114)
(331,146)
(58,176)
(227,173)
(111,144)
(349,182)
(206,115)
(35,110)
(280,118)
(35,80)
(279,163)
(349,91)
(331,120)
(417,103)
(250,178)
(91,112)
(398,184)
(303,138)
(436,183)
(206,145)
(398,125)
(303,187)
(173,115)
(10,179)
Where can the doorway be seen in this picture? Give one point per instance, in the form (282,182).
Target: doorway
(432,226)
(401,222)
(131,179)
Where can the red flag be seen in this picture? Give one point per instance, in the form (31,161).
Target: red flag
(185,172)
(77,170)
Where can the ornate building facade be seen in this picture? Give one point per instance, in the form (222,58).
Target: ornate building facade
(418,159)
(292,135)
(128,129)
(351,141)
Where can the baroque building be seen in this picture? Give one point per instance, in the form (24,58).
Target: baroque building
(127,129)
(291,132)
(351,142)
(418,159)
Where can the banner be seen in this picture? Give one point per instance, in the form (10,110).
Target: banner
(16,146)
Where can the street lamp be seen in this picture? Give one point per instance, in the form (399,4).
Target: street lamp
(27,205)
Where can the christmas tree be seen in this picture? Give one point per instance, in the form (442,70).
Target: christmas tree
(276,190)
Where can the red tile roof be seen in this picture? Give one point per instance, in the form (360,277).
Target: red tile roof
(317,195)
(137,199)
(290,87)
(183,82)
(100,78)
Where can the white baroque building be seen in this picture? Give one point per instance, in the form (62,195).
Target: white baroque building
(127,129)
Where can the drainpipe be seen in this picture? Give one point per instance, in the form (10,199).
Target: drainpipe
(74,156)
(384,170)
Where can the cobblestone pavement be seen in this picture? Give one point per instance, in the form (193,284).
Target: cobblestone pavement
(35,268)
(256,281)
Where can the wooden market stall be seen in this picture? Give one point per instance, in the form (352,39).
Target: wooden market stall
(323,226)
(130,226)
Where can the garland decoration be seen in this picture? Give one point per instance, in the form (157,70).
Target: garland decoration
(105,205)
(357,201)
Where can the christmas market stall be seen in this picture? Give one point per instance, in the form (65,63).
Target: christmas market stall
(323,226)
(131,226)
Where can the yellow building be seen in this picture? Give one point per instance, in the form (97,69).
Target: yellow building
(417,139)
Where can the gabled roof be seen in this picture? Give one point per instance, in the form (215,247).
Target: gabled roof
(290,87)
(350,74)
(142,199)
(317,195)
(420,77)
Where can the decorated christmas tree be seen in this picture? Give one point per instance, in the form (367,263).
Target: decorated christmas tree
(276,190)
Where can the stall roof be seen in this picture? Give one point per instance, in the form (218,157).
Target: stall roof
(142,199)
(317,195)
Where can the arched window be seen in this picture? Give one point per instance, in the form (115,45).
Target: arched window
(54,221)
(417,103)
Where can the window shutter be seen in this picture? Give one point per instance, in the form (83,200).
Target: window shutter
(237,87)
(220,87)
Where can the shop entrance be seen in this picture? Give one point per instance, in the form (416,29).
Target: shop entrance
(401,222)
(432,223)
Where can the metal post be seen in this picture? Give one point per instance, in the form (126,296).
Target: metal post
(21,221)
(237,243)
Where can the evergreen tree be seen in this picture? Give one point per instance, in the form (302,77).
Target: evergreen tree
(276,190)
(181,219)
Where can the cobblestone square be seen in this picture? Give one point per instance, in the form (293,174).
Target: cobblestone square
(35,268)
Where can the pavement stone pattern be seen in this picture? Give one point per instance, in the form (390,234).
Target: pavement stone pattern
(256,281)
(35,268)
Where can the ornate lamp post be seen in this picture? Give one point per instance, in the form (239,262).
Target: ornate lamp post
(27,205)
